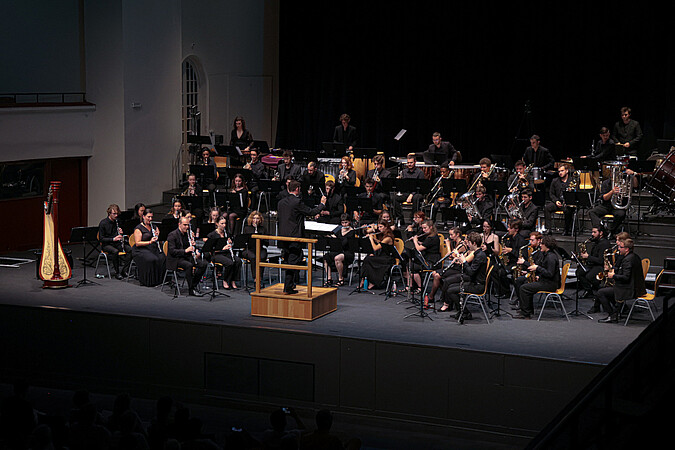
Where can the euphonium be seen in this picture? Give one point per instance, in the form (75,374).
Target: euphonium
(621,200)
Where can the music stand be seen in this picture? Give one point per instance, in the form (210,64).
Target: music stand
(232,153)
(327,244)
(364,153)
(334,148)
(84,235)
(496,188)
(578,200)
(361,205)
(411,296)
(205,174)
(455,215)
(359,245)
(166,226)
(232,172)
(261,146)
(192,202)
(269,189)
(640,167)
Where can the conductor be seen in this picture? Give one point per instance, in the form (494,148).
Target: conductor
(292,214)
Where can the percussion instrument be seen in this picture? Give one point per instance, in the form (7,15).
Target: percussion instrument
(271,161)
(662,183)
(428,169)
(502,173)
(465,172)
(537,175)
(329,166)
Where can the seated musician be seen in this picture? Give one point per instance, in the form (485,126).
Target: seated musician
(525,180)
(593,264)
(339,261)
(628,281)
(557,201)
(258,172)
(484,208)
(445,148)
(472,276)
(182,253)
(511,242)
(439,201)
(530,213)
(284,192)
(490,239)
(385,216)
(456,245)
(347,175)
(210,174)
(218,248)
(111,237)
(147,253)
(238,207)
(379,172)
(335,206)
(428,244)
(193,188)
(376,265)
(377,201)
(604,148)
(411,171)
(287,167)
(604,207)
(416,226)
(255,225)
(484,174)
(545,276)
(176,210)
(527,256)
(314,181)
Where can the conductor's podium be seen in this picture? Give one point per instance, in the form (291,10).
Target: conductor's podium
(308,303)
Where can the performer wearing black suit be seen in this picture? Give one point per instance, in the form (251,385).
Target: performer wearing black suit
(547,277)
(345,133)
(530,213)
(377,204)
(538,155)
(182,253)
(410,172)
(440,147)
(258,172)
(627,132)
(291,216)
(557,203)
(593,262)
(511,242)
(628,277)
(604,149)
(287,167)
(525,181)
(335,205)
(531,254)
(379,172)
(314,181)
(111,237)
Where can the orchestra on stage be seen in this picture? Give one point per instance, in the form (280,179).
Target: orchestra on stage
(452,230)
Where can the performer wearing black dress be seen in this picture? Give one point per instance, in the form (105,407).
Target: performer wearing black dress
(339,261)
(238,208)
(146,252)
(428,244)
(111,237)
(376,265)
(255,225)
(240,137)
(219,248)
(182,253)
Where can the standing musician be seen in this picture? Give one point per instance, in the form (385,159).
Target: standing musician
(593,263)
(379,172)
(219,248)
(376,265)
(428,244)
(335,206)
(440,147)
(147,253)
(628,281)
(538,155)
(240,137)
(627,132)
(546,275)
(291,216)
(314,181)
(255,225)
(339,261)
(345,133)
(287,167)
(411,171)
(182,253)
(525,180)
(471,279)
(111,237)
(604,148)
(377,201)
(527,256)
(238,208)
(347,175)
(557,202)
(530,213)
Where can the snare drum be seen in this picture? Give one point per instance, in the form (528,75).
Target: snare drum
(608,166)
(662,183)
(537,175)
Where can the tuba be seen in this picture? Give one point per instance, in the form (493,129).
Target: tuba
(621,199)
(54,268)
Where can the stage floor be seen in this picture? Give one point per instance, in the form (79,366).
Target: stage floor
(361,315)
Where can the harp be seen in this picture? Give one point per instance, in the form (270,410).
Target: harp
(54,269)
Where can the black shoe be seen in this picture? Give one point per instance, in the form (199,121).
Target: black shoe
(291,292)
(119,276)
(594,309)
(191,293)
(513,302)
(609,319)
(520,315)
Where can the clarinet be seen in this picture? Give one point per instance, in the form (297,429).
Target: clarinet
(117,227)
(192,243)
(154,234)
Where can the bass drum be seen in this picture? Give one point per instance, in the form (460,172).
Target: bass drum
(662,183)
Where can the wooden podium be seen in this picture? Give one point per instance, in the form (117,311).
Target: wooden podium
(308,304)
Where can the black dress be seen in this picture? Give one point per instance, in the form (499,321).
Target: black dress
(375,267)
(231,263)
(151,262)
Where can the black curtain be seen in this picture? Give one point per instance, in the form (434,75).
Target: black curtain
(486,77)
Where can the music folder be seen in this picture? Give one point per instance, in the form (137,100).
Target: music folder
(313,226)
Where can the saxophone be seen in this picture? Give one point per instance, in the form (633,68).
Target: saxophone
(621,199)
(609,258)
(530,276)
(517,269)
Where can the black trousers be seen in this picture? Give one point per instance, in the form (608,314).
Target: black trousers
(191,276)
(292,254)
(550,208)
(528,290)
(587,279)
(605,296)
(116,259)
(596,214)
(250,255)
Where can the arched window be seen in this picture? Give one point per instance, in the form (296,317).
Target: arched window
(191,113)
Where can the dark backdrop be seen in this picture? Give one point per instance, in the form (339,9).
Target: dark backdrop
(469,72)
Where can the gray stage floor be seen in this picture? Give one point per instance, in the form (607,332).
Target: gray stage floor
(362,315)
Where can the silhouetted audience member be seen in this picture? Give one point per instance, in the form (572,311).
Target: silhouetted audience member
(321,439)
(17,417)
(158,431)
(278,437)
(121,405)
(41,438)
(195,439)
(80,399)
(86,434)
(126,438)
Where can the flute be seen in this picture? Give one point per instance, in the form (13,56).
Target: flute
(416,236)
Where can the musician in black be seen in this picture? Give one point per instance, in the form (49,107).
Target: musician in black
(557,201)
(346,178)
(628,279)
(291,216)
(472,276)
(239,136)
(484,208)
(340,260)
(627,132)
(258,172)
(377,201)
(238,205)
(604,207)
(538,155)
(511,243)
(411,171)
(438,199)
(287,167)
(456,245)
(441,149)
(218,247)
(255,225)
(335,206)
(210,169)
(379,172)
(531,254)
(428,245)
(485,174)
(314,181)
(546,275)
(345,133)
(604,149)
(593,263)
(525,180)
(530,213)
(111,237)
(182,253)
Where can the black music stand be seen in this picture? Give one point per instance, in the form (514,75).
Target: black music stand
(220,243)
(364,153)
(456,215)
(233,154)
(206,175)
(496,188)
(85,235)
(227,199)
(192,202)
(640,167)
(411,296)
(361,205)
(359,245)
(261,146)
(334,148)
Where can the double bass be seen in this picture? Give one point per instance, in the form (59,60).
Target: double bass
(54,268)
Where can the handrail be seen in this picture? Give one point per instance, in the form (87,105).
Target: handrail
(259,237)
